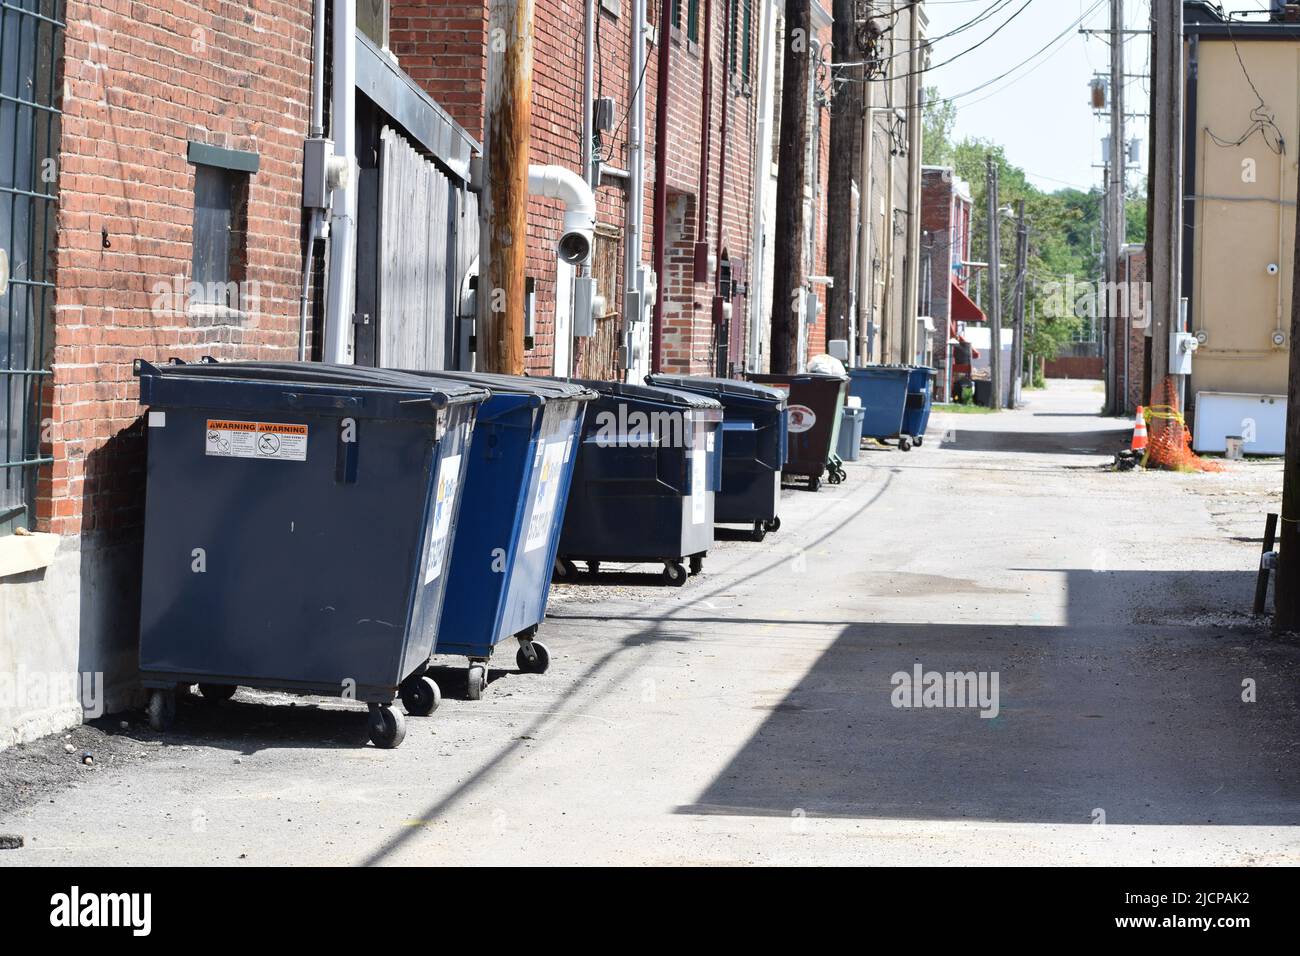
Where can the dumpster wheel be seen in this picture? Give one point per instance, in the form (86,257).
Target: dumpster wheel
(919,440)
(217,693)
(674,573)
(760,531)
(162,709)
(697,563)
(420,695)
(532,657)
(477,679)
(905,443)
(387,726)
(565,570)
(772,524)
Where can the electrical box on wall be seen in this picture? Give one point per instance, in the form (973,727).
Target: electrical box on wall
(584,307)
(1181,347)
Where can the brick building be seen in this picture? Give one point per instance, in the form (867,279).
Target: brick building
(945,255)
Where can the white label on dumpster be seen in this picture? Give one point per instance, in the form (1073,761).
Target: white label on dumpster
(800,418)
(699,464)
(279,442)
(444,503)
(548,492)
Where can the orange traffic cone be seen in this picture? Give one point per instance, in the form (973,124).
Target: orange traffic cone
(1139,442)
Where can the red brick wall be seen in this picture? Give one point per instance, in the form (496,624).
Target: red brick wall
(442,44)
(140,81)
(1074,366)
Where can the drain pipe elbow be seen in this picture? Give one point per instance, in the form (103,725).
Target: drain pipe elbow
(557,182)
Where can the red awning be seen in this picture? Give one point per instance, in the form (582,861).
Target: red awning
(963,309)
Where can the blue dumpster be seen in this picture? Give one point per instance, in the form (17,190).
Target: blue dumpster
(648,468)
(520,467)
(920,398)
(753,448)
(882,390)
(298,520)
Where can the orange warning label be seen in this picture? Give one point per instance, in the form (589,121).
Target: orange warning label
(274,440)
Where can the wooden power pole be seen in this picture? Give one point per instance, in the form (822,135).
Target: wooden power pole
(1286,579)
(846,141)
(1166,184)
(503,201)
(1018,316)
(1114,215)
(792,160)
(995,282)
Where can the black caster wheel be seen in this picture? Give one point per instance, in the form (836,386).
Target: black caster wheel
(162,709)
(593,568)
(905,444)
(674,574)
(814,484)
(759,532)
(919,440)
(477,677)
(773,524)
(387,726)
(420,696)
(217,693)
(538,662)
(697,563)
(565,570)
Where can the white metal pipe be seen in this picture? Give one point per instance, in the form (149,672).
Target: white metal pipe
(761,162)
(318,68)
(341,291)
(633,304)
(557,182)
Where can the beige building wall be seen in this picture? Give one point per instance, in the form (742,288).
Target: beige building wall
(1245,214)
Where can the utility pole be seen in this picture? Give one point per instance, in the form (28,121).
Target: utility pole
(503,203)
(915,106)
(1286,578)
(788,272)
(846,140)
(1166,183)
(995,282)
(1115,181)
(1022,268)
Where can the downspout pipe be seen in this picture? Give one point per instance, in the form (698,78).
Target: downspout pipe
(316,130)
(761,161)
(341,291)
(661,180)
(557,182)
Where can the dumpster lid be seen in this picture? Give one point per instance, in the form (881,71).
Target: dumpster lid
(649,393)
(544,388)
(782,378)
(717,386)
(439,390)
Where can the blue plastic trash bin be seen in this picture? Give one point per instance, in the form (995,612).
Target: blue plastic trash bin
(520,468)
(920,398)
(298,520)
(753,448)
(648,468)
(882,390)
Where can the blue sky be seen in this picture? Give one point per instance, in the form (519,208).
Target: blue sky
(1040,112)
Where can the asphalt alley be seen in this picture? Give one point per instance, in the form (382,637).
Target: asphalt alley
(750,716)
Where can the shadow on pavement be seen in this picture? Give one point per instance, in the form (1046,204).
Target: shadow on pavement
(1094,442)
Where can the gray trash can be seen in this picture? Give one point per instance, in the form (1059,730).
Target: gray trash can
(850,437)
(298,523)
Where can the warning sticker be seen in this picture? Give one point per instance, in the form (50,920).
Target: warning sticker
(699,462)
(548,488)
(444,504)
(281,442)
(800,418)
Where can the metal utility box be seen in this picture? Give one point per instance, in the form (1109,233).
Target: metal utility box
(753,448)
(298,521)
(649,465)
(520,468)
